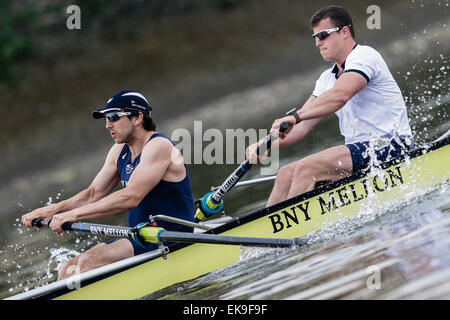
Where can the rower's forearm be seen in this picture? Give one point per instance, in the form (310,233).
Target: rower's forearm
(114,204)
(80,199)
(298,133)
(329,102)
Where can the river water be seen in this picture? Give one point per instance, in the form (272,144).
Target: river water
(402,252)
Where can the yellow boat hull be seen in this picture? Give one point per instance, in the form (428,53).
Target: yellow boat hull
(295,217)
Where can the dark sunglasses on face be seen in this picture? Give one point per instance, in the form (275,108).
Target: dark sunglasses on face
(114,116)
(323,34)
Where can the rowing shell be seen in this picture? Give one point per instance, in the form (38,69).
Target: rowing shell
(135,277)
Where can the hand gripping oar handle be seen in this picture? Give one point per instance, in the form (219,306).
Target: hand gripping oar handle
(212,203)
(149,234)
(107,230)
(244,167)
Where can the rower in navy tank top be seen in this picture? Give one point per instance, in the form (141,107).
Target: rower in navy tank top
(153,175)
(180,206)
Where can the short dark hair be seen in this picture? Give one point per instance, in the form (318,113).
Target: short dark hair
(147,122)
(338,15)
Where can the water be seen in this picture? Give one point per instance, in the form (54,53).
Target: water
(395,254)
(398,252)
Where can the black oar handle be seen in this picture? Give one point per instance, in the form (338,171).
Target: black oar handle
(40,223)
(267,141)
(284,126)
(46,223)
(240,171)
(107,230)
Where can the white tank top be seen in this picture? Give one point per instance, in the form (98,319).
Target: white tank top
(378,110)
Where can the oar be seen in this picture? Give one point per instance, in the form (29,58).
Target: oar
(212,202)
(249,182)
(148,234)
(102,229)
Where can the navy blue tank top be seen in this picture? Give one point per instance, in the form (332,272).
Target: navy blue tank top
(169,198)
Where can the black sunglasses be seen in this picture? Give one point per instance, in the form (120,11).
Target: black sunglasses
(323,34)
(114,116)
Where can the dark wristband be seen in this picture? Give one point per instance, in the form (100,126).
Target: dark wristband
(294,113)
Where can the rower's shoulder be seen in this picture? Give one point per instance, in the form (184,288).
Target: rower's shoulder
(363,52)
(115,150)
(159,143)
(159,139)
(163,148)
(363,48)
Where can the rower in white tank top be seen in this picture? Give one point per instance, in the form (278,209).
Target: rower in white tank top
(378,110)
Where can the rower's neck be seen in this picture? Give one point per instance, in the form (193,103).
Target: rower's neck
(137,144)
(347,50)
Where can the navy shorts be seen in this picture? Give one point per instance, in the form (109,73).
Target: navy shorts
(363,156)
(138,249)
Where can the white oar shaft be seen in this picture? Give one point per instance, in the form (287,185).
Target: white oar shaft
(250,182)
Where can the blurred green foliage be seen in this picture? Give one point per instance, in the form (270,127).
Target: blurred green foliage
(15,42)
(21,23)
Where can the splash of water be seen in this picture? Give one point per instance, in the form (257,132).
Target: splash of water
(59,256)
(249,253)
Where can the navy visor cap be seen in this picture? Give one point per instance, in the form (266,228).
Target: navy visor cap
(124,100)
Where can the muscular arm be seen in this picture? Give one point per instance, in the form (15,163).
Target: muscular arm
(332,100)
(104,182)
(299,131)
(315,109)
(296,133)
(155,160)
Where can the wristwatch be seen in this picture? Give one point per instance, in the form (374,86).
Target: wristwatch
(294,113)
